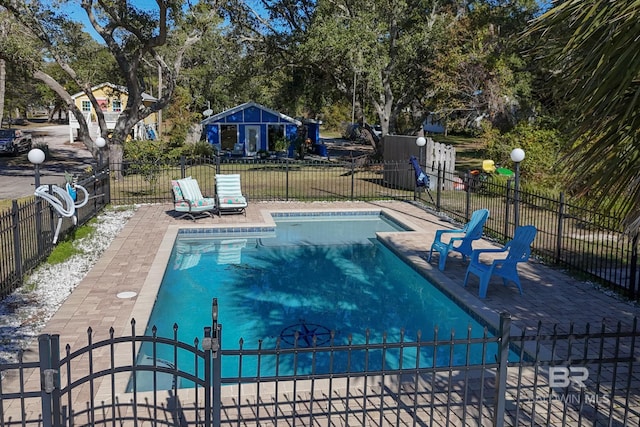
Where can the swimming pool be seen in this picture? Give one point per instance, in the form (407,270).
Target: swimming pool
(316,273)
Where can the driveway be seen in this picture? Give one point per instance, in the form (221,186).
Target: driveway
(17,174)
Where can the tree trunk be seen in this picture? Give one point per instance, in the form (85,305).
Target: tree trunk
(3,79)
(115,160)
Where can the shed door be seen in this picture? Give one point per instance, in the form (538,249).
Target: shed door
(252,138)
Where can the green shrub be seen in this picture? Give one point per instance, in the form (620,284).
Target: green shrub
(334,115)
(200,148)
(542,152)
(145,158)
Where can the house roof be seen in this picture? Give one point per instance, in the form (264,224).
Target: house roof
(218,117)
(123,89)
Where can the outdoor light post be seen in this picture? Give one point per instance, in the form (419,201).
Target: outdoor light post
(421,142)
(517,155)
(36,157)
(100,143)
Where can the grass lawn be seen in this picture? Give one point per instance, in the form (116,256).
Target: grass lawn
(469,150)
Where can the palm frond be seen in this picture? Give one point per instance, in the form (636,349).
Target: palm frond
(595,50)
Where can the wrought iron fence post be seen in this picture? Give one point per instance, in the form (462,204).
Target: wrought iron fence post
(560,228)
(183,168)
(55,395)
(467,208)
(353,171)
(39,237)
(17,246)
(216,343)
(507,210)
(206,346)
(47,383)
(501,373)
(94,194)
(633,267)
(286,188)
(106,179)
(415,186)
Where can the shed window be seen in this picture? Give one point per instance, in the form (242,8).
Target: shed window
(86,106)
(228,136)
(116,105)
(275,133)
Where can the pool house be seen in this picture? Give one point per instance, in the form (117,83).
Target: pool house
(249,128)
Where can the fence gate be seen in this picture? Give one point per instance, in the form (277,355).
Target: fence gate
(542,377)
(125,381)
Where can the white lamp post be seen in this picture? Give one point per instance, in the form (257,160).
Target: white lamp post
(100,143)
(421,142)
(36,157)
(517,155)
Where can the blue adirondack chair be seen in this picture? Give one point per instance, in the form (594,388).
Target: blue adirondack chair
(462,244)
(518,250)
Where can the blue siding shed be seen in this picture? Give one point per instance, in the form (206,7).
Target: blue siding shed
(248,128)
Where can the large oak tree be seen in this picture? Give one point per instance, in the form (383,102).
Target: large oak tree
(141,42)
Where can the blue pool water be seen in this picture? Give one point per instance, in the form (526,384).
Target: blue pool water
(310,273)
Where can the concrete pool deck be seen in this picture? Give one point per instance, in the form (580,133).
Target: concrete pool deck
(136,259)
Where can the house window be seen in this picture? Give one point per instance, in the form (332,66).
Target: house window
(116,104)
(86,106)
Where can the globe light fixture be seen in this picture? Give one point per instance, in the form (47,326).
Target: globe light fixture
(100,143)
(517,155)
(421,141)
(36,157)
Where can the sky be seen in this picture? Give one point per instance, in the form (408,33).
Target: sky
(73,9)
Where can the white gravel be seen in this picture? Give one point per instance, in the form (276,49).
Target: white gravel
(25,312)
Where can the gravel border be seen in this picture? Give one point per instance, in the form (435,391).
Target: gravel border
(25,312)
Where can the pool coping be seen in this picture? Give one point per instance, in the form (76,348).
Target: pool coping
(147,295)
(472,306)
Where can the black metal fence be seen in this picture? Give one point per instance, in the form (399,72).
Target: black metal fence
(28,228)
(582,240)
(585,241)
(268,179)
(582,377)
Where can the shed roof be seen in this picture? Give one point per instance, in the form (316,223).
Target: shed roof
(220,116)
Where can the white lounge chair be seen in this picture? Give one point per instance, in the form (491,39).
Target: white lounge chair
(188,199)
(229,196)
